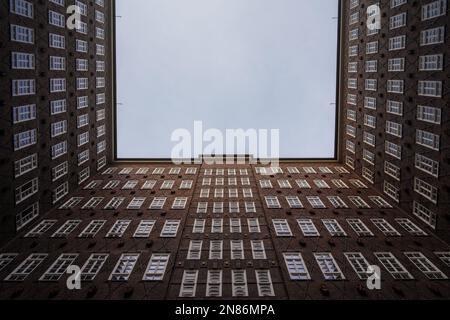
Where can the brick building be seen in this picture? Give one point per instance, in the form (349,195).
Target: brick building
(304,230)
(56,104)
(395,98)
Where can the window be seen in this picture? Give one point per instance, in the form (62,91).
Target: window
(265,184)
(258,250)
(272,202)
(370,121)
(391,191)
(118,229)
(392,170)
(395,86)
(444,257)
(284,184)
(157,267)
(397,43)
(429,114)
(25,165)
(394,107)
(434,62)
(358,263)
(370,103)
(124,267)
(158,203)
(59,267)
(339,184)
(427,165)
(394,129)
(23,61)
(282,228)
(321,184)
(110,185)
(296,266)
(58,128)
(316,202)
(328,266)
(396,3)
(218,207)
(360,228)
(26,267)
(144,229)
(93,266)
(149,185)
(425,214)
(136,203)
(308,228)
(434,9)
(430,89)
(216,250)
(114,203)
(385,227)
(250,207)
(368,174)
(66,229)
(371,66)
(380,202)
(237,250)
(26,216)
(92,229)
(22,34)
(6,259)
(239,283)
(393,150)
(186,185)
(170,229)
(214,283)
(179,203)
(396,64)
(167,185)
(294,202)
(59,150)
(334,228)
(397,21)
(56,19)
(393,266)
(23,87)
(370,140)
(425,266)
(199,226)
(303,184)
(188,287)
(41,229)
(57,85)
(57,41)
(264,283)
(235,225)
(411,227)
(371,47)
(58,106)
(195,250)
(27,190)
(426,190)
(428,140)
(432,36)
(21,7)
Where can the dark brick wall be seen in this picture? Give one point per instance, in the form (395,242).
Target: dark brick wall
(42,99)
(317,288)
(410,100)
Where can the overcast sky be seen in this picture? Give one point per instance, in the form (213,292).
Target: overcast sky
(262,64)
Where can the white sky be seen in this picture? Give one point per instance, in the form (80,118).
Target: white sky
(262,64)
